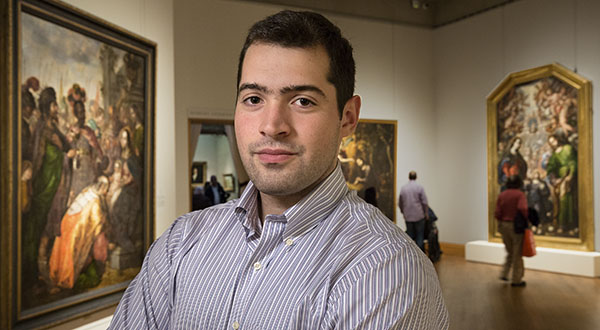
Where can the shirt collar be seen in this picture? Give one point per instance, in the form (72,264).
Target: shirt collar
(304,215)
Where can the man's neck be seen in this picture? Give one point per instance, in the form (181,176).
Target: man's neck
(273,204)
(269,204)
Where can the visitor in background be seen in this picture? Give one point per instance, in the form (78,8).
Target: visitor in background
(511,201)
(413,205)
(215,192)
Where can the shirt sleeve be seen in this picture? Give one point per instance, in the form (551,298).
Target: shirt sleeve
(424,201)
(146,304)
(498,210)
(400,291)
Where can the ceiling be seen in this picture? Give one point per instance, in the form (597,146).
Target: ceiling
(426,13)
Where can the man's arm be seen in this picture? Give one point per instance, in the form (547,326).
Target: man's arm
(146,304)
(425,204)
(389,290)
(400,204)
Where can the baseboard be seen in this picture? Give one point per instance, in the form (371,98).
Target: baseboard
(453,249)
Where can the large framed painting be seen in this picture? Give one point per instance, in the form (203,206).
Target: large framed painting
(77,161)
(540,128)
(368,160)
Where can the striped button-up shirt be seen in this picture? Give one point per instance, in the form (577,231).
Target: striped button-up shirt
(330,261)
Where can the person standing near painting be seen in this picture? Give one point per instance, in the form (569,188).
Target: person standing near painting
(413,205)
(215,192)
(297,250)
(511,201)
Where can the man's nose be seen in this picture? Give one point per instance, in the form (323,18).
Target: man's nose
(275,121)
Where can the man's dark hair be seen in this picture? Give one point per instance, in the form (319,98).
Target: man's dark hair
(514,182)
(292,29)
(412,175)
(47,96)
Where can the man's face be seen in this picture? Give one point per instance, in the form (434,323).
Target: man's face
(54,110)
(286,120)
(553,142)
(27,111)
(123,139)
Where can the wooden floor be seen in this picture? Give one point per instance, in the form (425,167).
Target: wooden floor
(477,299)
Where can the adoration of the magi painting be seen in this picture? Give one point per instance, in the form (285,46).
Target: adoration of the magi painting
(538,140)
(82,151)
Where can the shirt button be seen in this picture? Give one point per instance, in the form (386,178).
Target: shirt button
(289,241)
(235,325)
(257,266)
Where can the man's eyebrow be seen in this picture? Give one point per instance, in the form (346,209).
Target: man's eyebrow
(302,88)
(253,86)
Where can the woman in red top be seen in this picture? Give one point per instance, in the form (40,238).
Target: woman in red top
(511,201)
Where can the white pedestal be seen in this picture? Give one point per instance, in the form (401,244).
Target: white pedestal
(552,260)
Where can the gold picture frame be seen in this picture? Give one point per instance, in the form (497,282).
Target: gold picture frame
(539,126)
(228,182)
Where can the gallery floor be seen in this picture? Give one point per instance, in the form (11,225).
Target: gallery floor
(477,299)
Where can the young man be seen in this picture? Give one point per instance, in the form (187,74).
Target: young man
(297,250)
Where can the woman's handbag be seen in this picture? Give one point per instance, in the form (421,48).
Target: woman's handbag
(528,243)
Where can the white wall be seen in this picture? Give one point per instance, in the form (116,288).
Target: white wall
(471,57)
(153,20)
(394,80)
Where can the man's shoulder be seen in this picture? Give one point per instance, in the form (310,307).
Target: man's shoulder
(372,240)
(374,225)
(194,223)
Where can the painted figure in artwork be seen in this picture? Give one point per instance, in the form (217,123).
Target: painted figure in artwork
(89,160)
(512,162)
(539,197)
(562,172)
(125,205)
(82,240)
(50,182)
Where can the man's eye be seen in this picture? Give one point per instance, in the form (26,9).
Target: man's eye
(252,100)
(304,102)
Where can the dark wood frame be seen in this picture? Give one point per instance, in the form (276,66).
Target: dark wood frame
(64,15)
(201,166)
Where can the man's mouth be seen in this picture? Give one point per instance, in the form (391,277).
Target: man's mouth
(274,155)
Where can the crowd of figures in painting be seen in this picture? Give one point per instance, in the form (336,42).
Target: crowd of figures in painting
(537,140)
(82,168)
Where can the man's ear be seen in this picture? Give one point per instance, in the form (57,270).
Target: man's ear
(350,115)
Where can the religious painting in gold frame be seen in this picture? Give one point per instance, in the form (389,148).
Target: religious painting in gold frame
(539,126)
(77,151)
(368,160)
